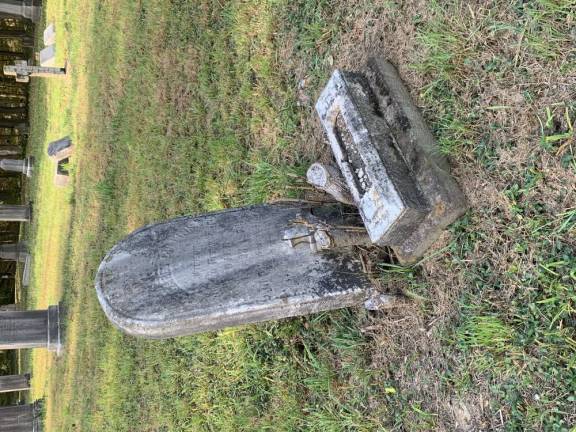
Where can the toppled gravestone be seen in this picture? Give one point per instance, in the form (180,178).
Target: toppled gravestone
(233,267)
(389,159)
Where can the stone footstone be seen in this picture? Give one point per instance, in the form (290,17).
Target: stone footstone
(385,193)
(390,160)
(228,268)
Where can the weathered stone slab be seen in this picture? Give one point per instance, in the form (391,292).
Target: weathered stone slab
(422,154)
(385,193)
(14,383)
(50,35)
(195,274)
(48,56)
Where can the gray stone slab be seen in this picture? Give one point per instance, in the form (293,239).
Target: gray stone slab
(422,154)
(228,268)
(379,180)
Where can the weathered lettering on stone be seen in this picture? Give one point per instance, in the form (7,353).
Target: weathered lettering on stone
(227,268)
(31,329)
(390,160)
(14,383)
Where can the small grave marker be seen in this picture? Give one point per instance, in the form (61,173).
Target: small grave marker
(18,252)
(389,159)
(60,152)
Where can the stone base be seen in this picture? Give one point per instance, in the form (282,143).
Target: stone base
(392,164)
(32,9)
(54,330)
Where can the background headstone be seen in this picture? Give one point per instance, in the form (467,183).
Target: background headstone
(14,383)
(31,329)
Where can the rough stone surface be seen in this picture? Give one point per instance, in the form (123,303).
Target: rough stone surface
(48,56)
(391,162)
(423,157)
(228,268)
(385,193)
(14,383)
(31,329)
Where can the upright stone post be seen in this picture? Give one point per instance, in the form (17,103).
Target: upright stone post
(31,329)
(21,418)
(14,383)
(15,213)
(20,166)
(29,9)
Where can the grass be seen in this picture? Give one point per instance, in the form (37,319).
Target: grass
(180,107)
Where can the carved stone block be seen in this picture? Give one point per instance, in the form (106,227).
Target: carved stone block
(391,162)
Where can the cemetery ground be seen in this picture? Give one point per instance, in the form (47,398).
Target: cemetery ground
(178,107)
